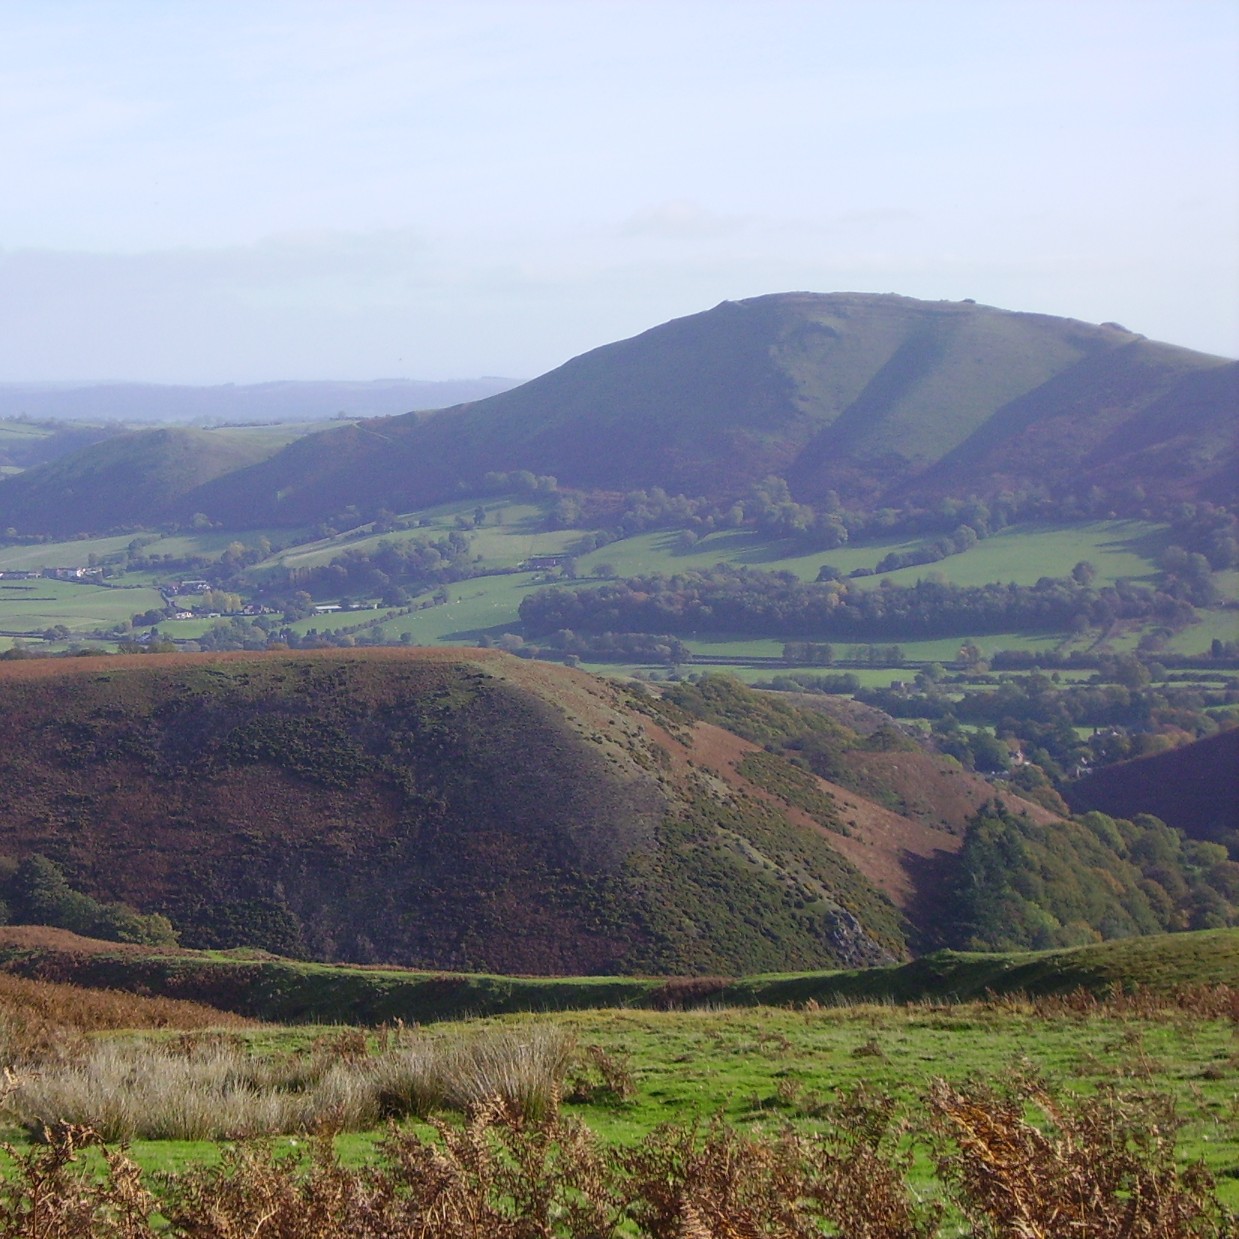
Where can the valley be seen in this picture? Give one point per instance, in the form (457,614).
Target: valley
(779,717)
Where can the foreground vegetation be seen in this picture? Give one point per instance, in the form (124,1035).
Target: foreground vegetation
(1110,1117)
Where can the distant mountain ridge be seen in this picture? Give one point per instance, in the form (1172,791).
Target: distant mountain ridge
(882,400)
(291,400)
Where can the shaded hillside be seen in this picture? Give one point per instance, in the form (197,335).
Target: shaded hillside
(879,398)
(852,392)
(1194,788)
(444,810)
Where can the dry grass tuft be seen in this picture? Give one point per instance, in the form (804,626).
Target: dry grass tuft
(211,1087)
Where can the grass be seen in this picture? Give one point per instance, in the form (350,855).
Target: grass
(212,1088)
(906,1099)
(73,552)
(284,991)
(1021,553)
(811,1072)
(29,607)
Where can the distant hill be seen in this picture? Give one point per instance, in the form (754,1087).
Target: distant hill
(235,402)
(879,398)
(136,479)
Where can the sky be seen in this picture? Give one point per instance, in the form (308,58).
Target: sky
(203,191)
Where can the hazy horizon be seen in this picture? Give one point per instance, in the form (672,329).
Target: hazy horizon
(300,191)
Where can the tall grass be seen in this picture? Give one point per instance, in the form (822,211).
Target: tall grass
(215,1089)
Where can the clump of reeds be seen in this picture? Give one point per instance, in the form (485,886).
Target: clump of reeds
(214,1088)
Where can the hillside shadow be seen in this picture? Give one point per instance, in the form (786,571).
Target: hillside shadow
(740,546)
(929,910)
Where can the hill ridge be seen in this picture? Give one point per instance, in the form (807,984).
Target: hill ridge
(881,398)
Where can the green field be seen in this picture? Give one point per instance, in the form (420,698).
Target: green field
(765,1070)
(513,531)
(1021,553)
(30,607)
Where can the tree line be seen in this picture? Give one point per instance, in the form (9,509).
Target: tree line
(777,604)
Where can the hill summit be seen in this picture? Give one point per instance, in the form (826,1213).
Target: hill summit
(881,399)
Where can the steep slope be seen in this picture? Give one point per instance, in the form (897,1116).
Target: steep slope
(1194,788)
(443,810)
(877,397)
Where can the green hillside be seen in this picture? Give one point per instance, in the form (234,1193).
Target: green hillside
(132,480)
(289,991)
(873,397)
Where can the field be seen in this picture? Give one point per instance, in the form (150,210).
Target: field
(1021,553)
(28,608)
(514,530)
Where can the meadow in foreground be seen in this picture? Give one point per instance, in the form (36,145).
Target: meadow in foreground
(980,1119)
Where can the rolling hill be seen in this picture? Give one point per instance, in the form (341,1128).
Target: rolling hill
(132,480)
(472,811)
(468,811)
(882,399)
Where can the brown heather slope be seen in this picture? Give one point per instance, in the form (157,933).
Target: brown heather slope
(448,809)
(36,1015)
(902,853)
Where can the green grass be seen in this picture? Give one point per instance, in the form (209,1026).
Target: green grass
(1222,625)
(1022,553)
(1026,553)
(23,431)
(511,533)
(289,992)
(32,606)
(477,606)
(767,1052)
(74,552)
(765,1068)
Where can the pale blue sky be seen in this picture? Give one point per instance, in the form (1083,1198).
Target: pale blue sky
(219,191)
